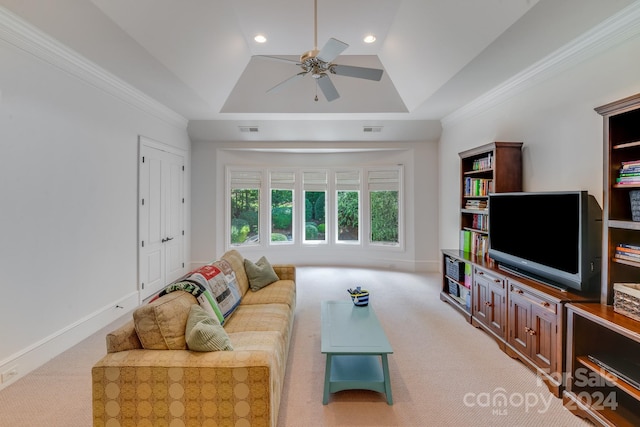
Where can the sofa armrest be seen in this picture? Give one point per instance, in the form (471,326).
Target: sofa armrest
(123,338)
(163,387)
(285,271)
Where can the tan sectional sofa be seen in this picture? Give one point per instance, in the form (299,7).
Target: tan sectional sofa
(133,386)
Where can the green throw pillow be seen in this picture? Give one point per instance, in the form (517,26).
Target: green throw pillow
(260,274)
(204,332)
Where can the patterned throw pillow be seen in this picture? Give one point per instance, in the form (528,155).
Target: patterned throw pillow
(202,294)
(260,274)
(221,285)
(204,332)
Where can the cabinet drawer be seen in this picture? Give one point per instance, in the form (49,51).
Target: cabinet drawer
(484,275)
(550,306)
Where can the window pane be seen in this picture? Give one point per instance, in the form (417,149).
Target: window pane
(384,216)
(348,214)
(314,215)
(245,218)
(281,215)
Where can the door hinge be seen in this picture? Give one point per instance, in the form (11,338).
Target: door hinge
(183,200)
(183,232)
(182,168)
(142,159)
(142,202)
(142,285)
(143,243)
(183,265)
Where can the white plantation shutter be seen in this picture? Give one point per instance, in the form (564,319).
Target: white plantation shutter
(348,180)
(246,179)
(315,180)
(283,180)
(384,180)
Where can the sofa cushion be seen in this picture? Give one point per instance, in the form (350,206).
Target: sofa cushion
(237,263)
(260,273)
(161,324)
(204,332)
(280,292)
(223,289)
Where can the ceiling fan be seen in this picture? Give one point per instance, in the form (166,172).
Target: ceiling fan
(319,64)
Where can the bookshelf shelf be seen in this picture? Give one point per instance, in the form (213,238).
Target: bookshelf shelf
(626,145)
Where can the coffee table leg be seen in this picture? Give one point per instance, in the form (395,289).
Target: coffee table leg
(387,380)
(327,380)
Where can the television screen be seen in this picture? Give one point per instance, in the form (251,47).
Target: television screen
(552,236)
(540,228)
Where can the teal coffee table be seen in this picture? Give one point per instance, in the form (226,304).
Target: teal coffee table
(356,349)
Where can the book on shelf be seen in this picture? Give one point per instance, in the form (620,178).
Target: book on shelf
(627,257)
(627,246)
(628,179)
(630,163)
(467,275)
(465,241)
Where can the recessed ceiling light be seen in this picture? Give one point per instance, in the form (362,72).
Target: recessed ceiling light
(370,39)
(260,38)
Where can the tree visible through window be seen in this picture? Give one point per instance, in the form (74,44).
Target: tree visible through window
(384,216)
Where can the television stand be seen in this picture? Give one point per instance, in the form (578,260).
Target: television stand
(516,271)
(526,317)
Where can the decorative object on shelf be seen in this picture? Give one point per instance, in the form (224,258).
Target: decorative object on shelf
(626,299)
(359,296)
(634,197)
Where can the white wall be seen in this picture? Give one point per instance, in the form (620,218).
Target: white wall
(555,119)
(420,174)
(68,215)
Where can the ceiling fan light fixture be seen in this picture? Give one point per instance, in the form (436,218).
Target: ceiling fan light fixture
(260,38)
(370,38)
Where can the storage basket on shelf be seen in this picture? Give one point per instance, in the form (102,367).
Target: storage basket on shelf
(626,299)
(454,269)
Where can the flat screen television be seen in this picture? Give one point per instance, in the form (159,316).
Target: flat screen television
(553,237)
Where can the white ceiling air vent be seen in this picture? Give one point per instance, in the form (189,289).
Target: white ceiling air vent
(371,129)
(250,129)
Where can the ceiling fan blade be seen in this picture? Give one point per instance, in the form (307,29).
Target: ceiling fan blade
(288,81)
(331,50)
(276,58)
(328,89)
(358,72)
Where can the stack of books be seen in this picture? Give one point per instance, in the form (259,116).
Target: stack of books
(474,243)
(480,222)
(477,186)
(484,163)
(628,252)
(629,173)
(475,204)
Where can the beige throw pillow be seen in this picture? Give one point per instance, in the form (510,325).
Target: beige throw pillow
(160,324)
(204,332)
(260,274)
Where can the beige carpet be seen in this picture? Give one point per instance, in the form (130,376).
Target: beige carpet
(444,372)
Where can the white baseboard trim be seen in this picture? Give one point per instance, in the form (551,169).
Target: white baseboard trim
(49,347)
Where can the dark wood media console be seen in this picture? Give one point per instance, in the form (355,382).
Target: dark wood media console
(525,317)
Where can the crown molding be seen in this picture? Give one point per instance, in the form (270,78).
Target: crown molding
(19,33)
(620,27)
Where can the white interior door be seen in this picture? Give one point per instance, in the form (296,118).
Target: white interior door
(161,218)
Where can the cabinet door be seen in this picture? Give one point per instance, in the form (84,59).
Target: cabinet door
(480,299)
(519,317)
(543,338)
(496,307)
